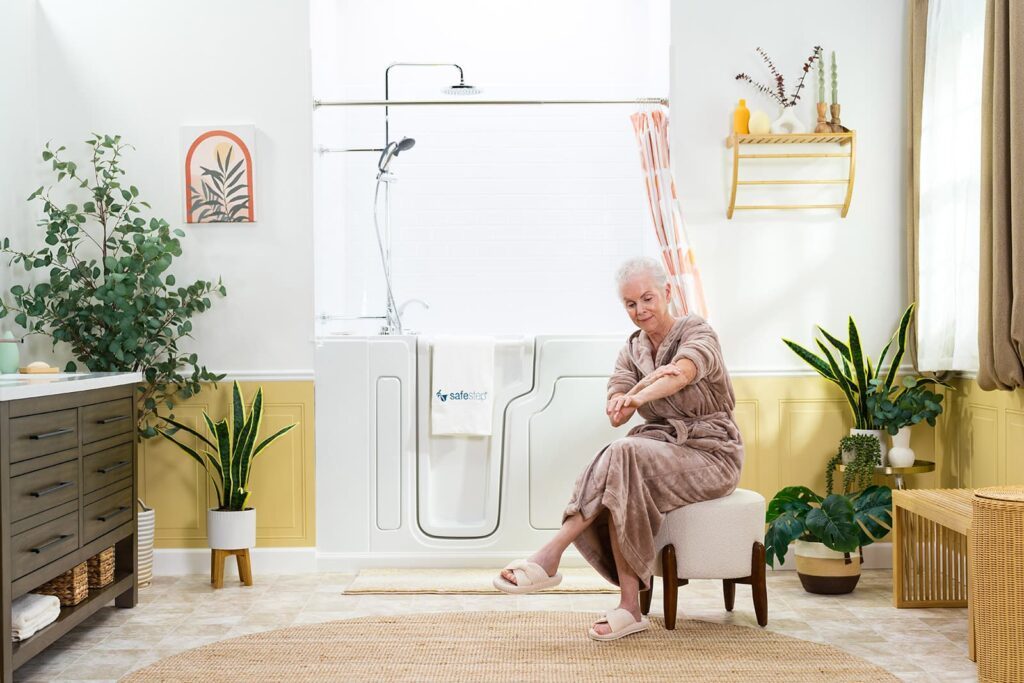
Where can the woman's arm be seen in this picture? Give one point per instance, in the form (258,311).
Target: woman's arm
(666,384)
(616,414)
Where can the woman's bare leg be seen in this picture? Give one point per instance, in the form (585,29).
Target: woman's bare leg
(550,554)
(629,584)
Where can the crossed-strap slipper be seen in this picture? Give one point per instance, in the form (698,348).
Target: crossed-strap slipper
(530,578)
(622,624)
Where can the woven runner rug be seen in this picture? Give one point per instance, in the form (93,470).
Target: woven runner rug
(510,646)
(467,581)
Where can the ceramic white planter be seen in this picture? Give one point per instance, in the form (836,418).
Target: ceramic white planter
(901,455)
(228,530)
(146,528)
(878,434)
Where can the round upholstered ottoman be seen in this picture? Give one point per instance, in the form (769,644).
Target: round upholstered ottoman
(722,539)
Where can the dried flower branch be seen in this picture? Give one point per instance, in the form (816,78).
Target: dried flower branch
(779,92)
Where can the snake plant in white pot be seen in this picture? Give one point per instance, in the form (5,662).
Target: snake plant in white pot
(227,456)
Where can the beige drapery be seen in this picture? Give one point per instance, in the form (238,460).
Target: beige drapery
(1001,305)
(918,25)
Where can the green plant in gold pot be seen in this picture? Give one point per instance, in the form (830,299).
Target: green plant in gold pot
(227,455)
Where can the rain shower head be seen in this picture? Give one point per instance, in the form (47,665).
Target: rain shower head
(393,150)
(461,89)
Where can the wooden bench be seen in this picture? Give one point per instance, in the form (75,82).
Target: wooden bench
(930,534)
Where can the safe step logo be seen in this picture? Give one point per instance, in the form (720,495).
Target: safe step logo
(461,396)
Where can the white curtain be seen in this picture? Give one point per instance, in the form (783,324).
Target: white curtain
(947,313)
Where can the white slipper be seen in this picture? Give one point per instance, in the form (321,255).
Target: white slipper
(530,578)
(622,624)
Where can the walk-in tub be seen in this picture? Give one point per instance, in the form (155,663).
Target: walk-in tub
(389,493)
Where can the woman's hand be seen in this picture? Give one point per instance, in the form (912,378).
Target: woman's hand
(620,408)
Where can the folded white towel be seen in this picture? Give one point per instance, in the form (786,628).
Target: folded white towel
(462,386)
(31,613)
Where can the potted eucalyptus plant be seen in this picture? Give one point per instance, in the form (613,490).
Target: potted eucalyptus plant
(227,456)
(896,410)
(846,365)
(828,533)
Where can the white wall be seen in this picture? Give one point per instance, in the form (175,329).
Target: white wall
(506,219)
(145,69)
(769,275)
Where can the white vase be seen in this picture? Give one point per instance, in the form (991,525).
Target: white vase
(759,123)
(788,122)
(877,433)
(231,530)
(901,455)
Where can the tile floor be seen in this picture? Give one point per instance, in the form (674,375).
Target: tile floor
(177,613)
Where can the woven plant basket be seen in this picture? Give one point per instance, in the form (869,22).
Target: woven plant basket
(101,569)
(71,587)
(997,582)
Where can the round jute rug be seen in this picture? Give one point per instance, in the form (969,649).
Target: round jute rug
(509,646)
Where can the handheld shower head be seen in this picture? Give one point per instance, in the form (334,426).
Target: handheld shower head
(392,150)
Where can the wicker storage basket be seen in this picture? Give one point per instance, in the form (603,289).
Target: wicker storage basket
(101,569)
(71,587)
(997,582)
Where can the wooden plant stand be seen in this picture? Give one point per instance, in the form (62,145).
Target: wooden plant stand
(217,559)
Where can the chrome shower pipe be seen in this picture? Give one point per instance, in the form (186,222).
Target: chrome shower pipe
(387,87)
(663,101)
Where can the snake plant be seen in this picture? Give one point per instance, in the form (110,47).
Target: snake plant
(227,458)
(847,366)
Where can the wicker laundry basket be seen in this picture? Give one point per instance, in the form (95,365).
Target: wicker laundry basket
(101,569)
(71,587)
(997,582)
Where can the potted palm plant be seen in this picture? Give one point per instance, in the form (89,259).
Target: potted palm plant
(227,456)
(846,365)
(828,533)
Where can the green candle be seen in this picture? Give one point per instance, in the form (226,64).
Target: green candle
(821,78)
(835,80)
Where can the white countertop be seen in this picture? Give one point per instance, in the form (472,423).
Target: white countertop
(14,387)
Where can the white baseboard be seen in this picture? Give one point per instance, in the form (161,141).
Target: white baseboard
(182,561)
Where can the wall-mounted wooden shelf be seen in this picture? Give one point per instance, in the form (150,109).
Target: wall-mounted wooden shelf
(736,142)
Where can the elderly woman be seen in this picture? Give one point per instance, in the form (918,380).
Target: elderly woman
(687,450)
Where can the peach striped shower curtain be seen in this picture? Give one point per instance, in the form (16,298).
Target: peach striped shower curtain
(652,136)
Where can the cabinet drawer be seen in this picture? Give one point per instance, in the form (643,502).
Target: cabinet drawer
(106,514)
(106,467)
(102,420)
(44,433)
(44,544)
(43,489)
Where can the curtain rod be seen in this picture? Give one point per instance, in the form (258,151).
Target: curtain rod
(403,103)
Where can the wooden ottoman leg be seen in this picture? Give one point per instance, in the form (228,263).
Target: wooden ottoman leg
(244,566)
(645,598)
(729,589)
(758,584)
(670,584)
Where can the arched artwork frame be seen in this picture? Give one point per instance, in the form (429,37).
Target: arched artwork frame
(218,174)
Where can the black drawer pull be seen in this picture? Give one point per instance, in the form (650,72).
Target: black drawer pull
(52,489)
(116,466)
(46,545)
(113,513)
(108,420)
(48,435)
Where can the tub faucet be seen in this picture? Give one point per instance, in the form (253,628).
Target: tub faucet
(401,309)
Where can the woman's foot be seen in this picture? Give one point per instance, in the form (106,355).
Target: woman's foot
(547,562)
(604,628)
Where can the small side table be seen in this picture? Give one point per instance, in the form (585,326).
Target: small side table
(897,473)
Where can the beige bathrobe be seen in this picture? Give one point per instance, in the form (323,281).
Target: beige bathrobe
(688,450)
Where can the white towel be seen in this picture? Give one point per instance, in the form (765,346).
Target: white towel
(32,612)
(462,386)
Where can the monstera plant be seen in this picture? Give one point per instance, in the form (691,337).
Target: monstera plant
(827,532)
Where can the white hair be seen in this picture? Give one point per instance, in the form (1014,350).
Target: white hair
(641,267)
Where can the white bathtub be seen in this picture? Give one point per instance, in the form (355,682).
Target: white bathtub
(391,494)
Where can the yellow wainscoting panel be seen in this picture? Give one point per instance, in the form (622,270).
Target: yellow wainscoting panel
(984,432)
(791,426)
(282,483)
